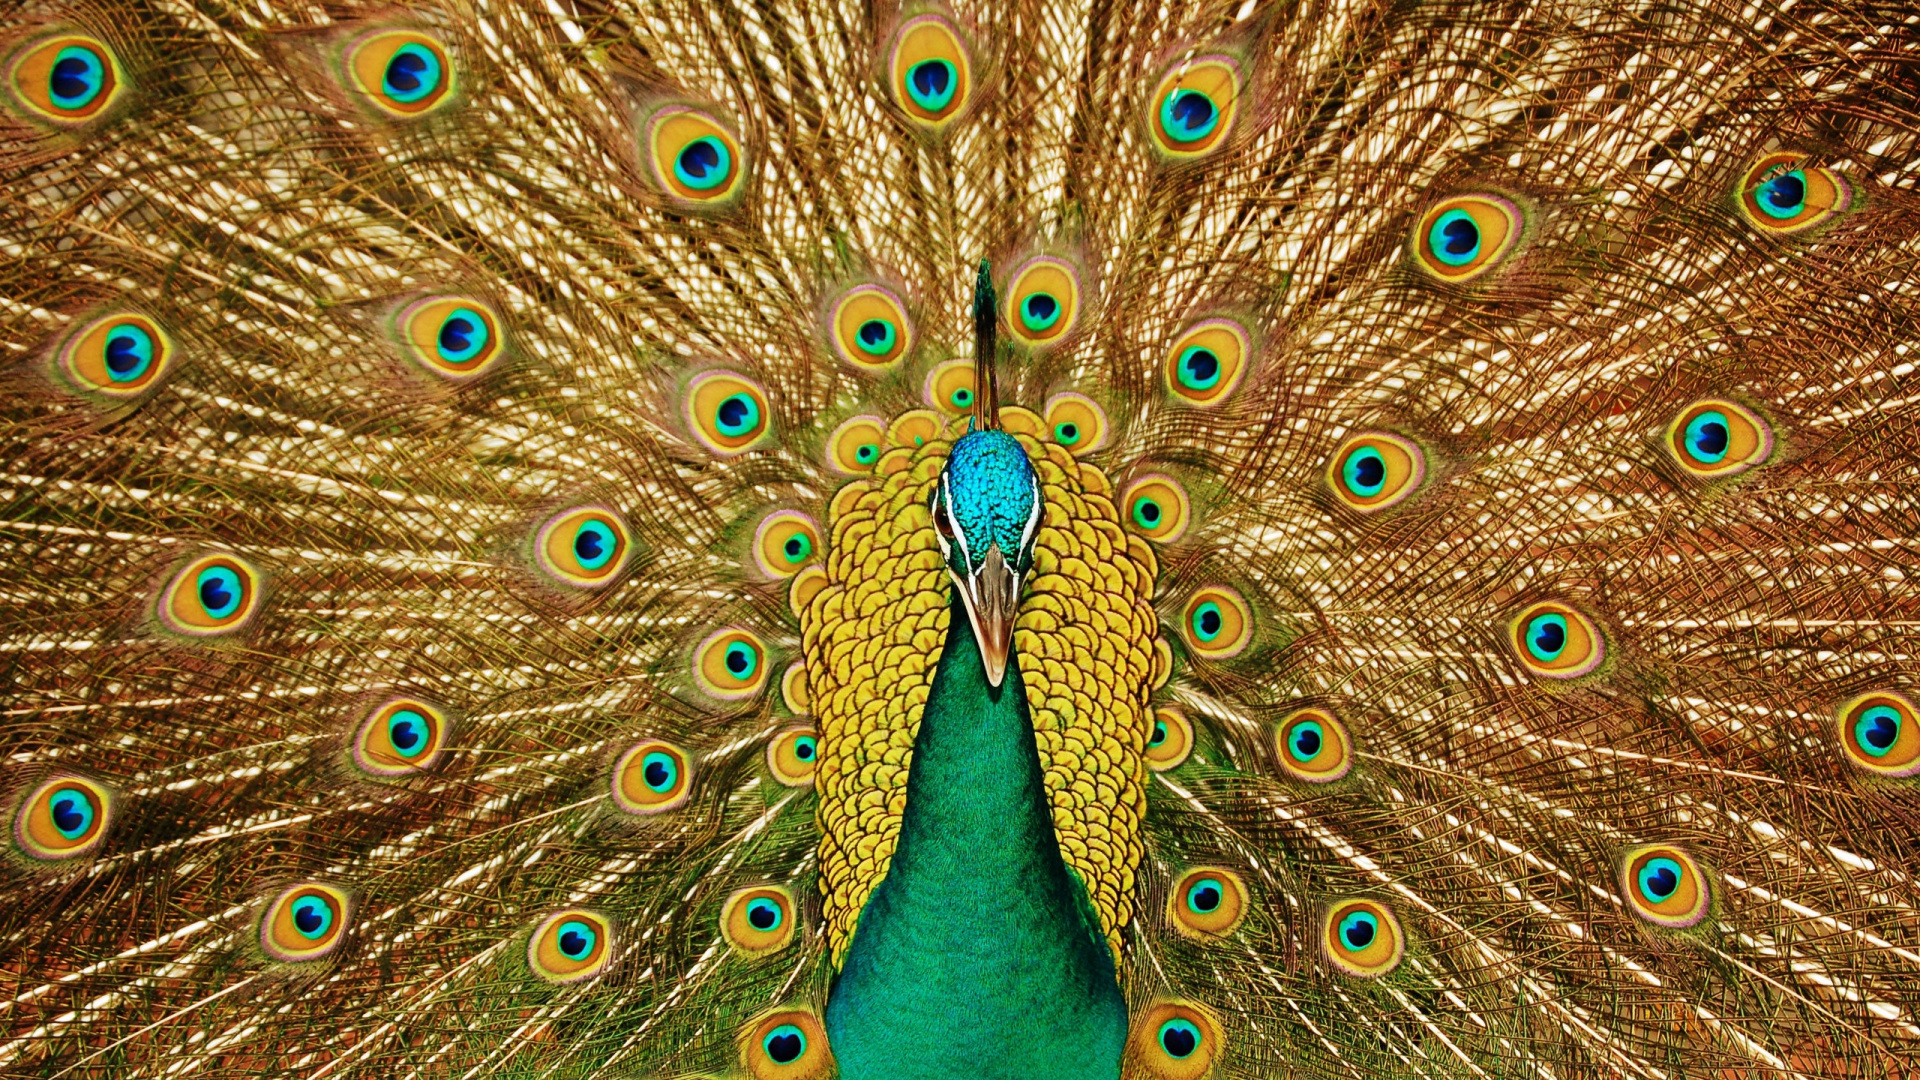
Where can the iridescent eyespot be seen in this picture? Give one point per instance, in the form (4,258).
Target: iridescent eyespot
(1362,938)
(1715,438)
(1313,746)
(759,920)
(929,74)
(1075,422)
(731,664)
(211,596)
(788,1044)
(1043,300)
(915,427)
(1206,361)
(584,547)
(793,689)
(869,328)
(571,946)
(455,338)
(1554,641)
(1782,196)
(402,73)
(785,541)
(793,755)
(728,413)
(1173,1040)
(1192,110)
(1207,902)
(1664,886)
(66,79)
(304,923)
(949,387)
(400,737)
(1372,471)
(1156,507)
(1880,735)
(695,159)
(115,359)
(62,818)
(652,778)
(854,447)
(1170,740)
(1216,623)
(1462,238)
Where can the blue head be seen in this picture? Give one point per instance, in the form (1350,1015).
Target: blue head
(986,512)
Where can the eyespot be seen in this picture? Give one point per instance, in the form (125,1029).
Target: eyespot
(1075,422)
(1664,886)
(928,72)
(403,73)
(731,665)
(1373,471)
(1207,902)
(67,79)
(1714,438)
(785,541)
(1043,300)
(399,738)
(1206,361)
(793,689)
(652,778)
(1464,237)
(1362,938)
(63,818)
(1156,507)
(304,923)
(1216,623)
(1554,641)
(1313,746)
(855,446)
(870,329)
(759,920)
(211,596)
(1782,196)
(793,755)
(786,1045)
(1879,734)
(695,159)
(949,387)
(728,413)
(915,427)
(1191,112)
(115,359)
(1170,740)
(456,338)
(1173,1040)
(585,547)
(571,946)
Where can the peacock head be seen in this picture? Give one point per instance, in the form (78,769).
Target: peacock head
(986,513)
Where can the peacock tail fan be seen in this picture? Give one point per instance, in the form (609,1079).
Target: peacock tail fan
(932,540)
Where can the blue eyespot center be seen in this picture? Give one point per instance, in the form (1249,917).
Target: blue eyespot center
(1188,116)
(576,939)
(703,164)
(763,914)
(1365,472)
(1207,621)
(1066,434)
(785,1044)
(659,772)
(797,547)
(806,747)
(1159,733)
(1306,741)
(1454,238)
(219,590)
(1204,896)
(77,77)
(1707,437)
(867,453)
(742,659)
(1146,514)
(961,398)
(875,337)
(1877,730)
(462,336)
(1659,878)
(129,353)
(1179,1038)
(932,83)
(1784,196)
(594,545)
(407,731)
(72,811)
(412,73)
(737,415)
(1358,930)
(312,917)
(1199,368)
(1546,636)
(1039,311)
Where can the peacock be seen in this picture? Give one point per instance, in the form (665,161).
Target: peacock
(922,539)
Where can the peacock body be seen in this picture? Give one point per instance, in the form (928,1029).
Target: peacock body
(796,539)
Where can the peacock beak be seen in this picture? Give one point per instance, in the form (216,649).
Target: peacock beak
(991,594)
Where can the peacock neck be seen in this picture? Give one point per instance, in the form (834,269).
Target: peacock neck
(979,955)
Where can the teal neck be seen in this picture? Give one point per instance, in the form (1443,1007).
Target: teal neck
(979,956)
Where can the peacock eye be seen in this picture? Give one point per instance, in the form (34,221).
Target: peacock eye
(1880,736)
(1714,438)
(696,160)
(1555,641)
(1156,507)
(929,71)
(788,1044)
(585,547)
(115,360)
(1174,1040)
(399,738)
(304,923)
(455,338)
(854,446)
(1077,421)
(63,818)
(731,664)
(1314,747)
(1179,1038)
(1464,237)
(66,80)
(1208,902)
(869,328)
(793,756)
(1664,886)
(727,412)
(1171,740)
(1192,110)
(1362,938)
(942,520)
(1043,300)
(1780,195)
(570,946)
(212,596)
(1217,623)
(403,73)
(758,920)
(1376,470)
(651,778)
(785,541)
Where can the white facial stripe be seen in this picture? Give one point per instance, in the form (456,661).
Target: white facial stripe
(959,534)
(1033,524)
